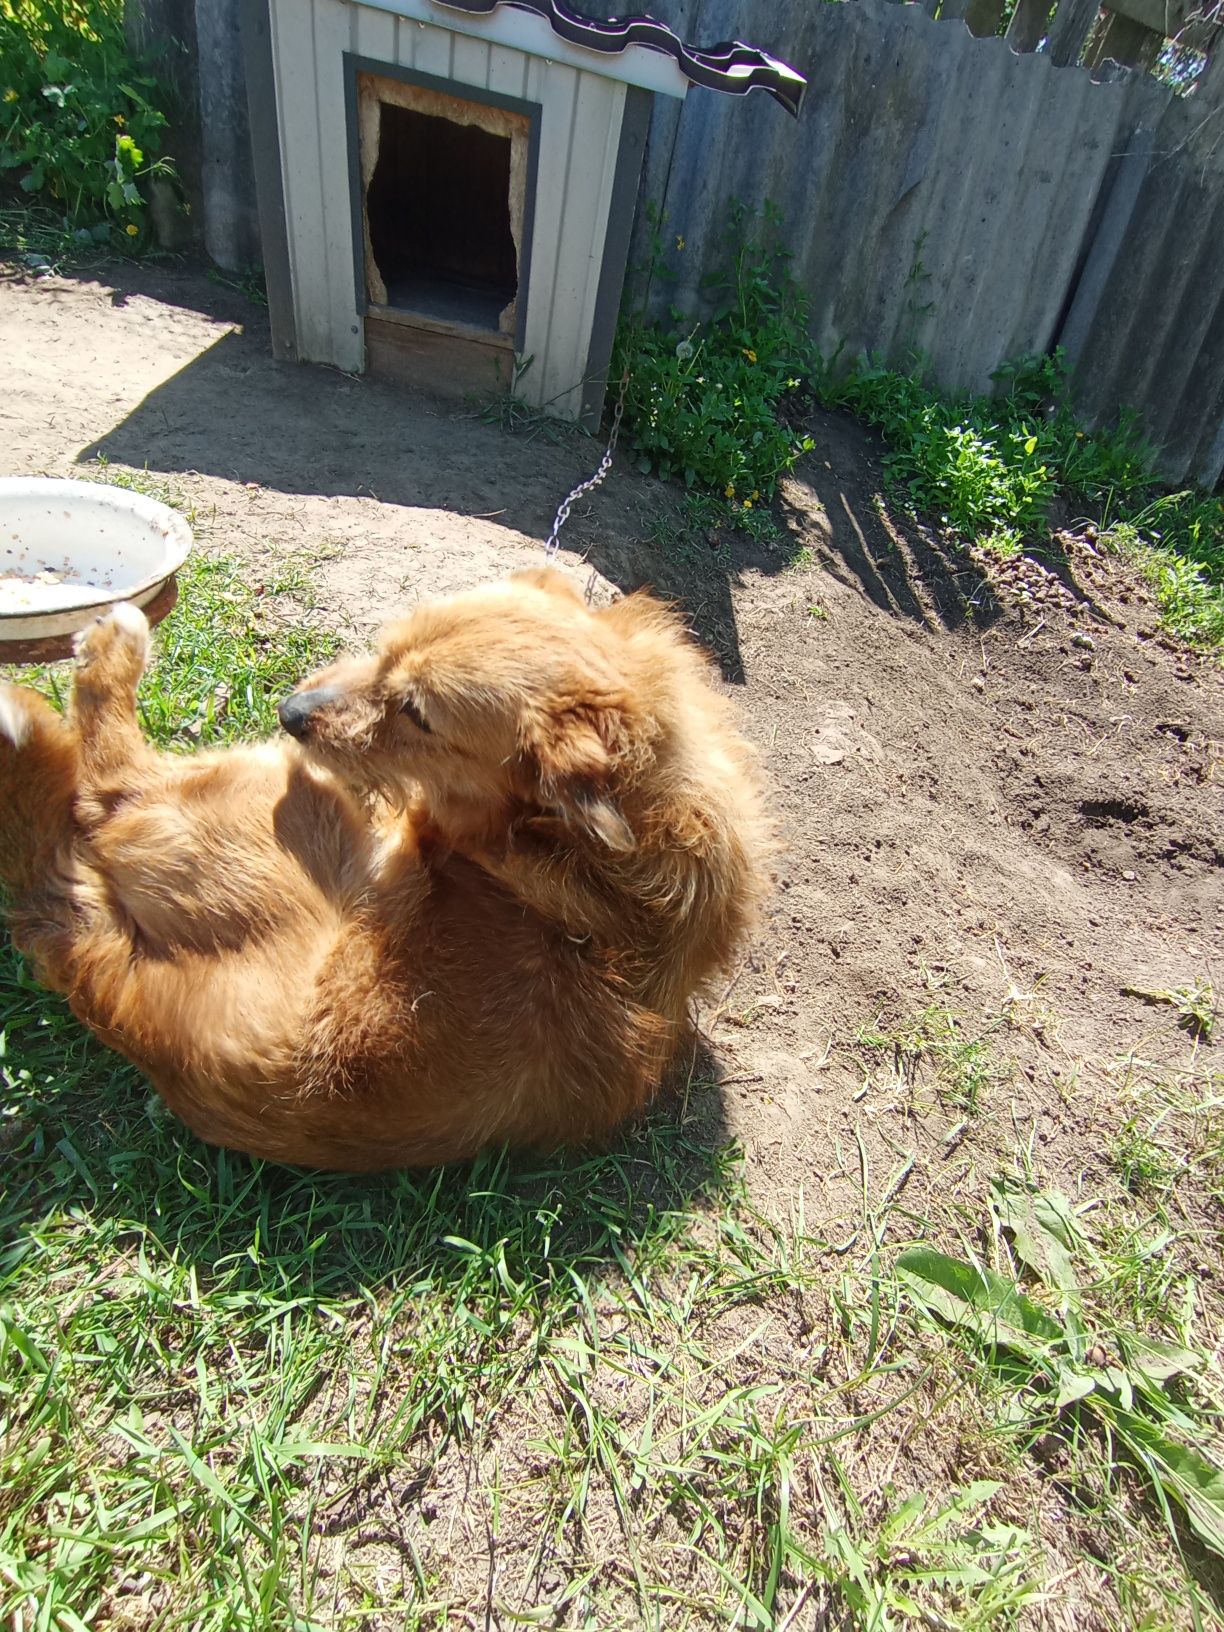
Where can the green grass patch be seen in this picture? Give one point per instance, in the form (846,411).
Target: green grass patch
(989,467)
(1085,1361)
(938,1044)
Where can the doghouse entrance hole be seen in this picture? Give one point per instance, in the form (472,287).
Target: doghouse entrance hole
(438,207)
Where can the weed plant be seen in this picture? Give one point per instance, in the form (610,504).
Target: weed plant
(80,123)
(708,401)
(989,467)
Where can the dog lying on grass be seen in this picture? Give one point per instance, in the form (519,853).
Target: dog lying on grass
(468,903)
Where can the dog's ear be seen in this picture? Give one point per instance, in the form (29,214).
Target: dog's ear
(572,750)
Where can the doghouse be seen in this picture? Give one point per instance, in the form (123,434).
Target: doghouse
(446,190)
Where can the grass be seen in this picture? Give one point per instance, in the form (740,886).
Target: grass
(962,1067)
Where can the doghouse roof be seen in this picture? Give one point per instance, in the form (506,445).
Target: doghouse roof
(637,50)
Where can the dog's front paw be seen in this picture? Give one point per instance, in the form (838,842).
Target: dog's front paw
(116,646)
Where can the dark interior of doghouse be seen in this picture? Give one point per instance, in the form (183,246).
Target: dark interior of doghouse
(439,212)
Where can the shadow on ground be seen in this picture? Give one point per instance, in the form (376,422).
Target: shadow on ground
(235,413)
(83,1136)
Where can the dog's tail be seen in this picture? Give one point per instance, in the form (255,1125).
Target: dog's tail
(38,778)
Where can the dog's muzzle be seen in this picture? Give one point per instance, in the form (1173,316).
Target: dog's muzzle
(296,712)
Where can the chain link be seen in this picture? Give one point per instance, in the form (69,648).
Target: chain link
(605,465)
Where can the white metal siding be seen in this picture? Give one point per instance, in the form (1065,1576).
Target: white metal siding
(580,124)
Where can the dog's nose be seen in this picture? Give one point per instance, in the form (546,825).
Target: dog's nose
(294,714)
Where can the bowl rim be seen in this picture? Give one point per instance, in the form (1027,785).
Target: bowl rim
(176,532)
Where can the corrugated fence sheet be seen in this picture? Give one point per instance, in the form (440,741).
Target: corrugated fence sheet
(943,195)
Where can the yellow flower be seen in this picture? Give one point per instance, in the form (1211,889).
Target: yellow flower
(679,240)
(132,229)
(750,354)
(10,95)
(755,493)
(747,504)
(120,120)
(729,491)
(1080,435)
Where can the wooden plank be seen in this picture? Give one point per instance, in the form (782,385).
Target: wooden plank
(441,325)
(439,363)
(333,22)
(1073,23)
(293,54)
(555,88)
(984,17)
(432,49)
(594,140)
(508,71)
(1174,19)
(374,36)
(1027,28)
(470,62)
(1209,87)
(1123,40)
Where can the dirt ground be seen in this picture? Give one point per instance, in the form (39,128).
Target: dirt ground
(998,791)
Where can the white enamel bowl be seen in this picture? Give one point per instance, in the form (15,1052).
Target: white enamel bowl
(70,550)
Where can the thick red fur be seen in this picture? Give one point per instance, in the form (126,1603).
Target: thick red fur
(470,904)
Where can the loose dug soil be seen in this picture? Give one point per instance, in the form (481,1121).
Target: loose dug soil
(997,791)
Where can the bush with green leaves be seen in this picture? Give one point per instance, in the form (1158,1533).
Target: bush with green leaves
(988,468)
(707,401)
(80,124)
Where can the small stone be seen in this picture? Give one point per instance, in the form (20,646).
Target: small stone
(1129,876)
(978,683)
(1081,639)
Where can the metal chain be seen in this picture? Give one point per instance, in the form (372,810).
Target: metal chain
(605,465)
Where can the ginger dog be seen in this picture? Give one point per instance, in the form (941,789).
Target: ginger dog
(469,903)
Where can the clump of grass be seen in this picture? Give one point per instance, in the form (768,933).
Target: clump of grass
(988,468)
(964,1066)
(1075,1370)
(1140,1161)
(1195,1004)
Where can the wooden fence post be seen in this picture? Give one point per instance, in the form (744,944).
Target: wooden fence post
(1073,23)
(1028,25)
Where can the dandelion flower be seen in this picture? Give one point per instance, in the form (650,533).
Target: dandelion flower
(684,350)
(10,95)
(729,490)
(750,354)
(132,229)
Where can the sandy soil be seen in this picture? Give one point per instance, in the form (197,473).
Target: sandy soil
(1000,793)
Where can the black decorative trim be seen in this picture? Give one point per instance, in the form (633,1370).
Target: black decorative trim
(732,67)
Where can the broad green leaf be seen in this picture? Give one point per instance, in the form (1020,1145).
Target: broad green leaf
(1193,1482)
(994,1309)
(1043,1230)
(1156,1359)
(1072,1386)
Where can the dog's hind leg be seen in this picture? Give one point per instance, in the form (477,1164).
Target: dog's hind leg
(38,781)
(111,654)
